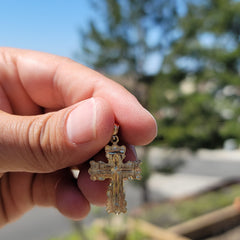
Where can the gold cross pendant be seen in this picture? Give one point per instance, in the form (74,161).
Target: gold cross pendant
(117,171)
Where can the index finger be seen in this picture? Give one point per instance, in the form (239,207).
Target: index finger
(54,82)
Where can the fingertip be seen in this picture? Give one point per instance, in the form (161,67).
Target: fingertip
(70,201)
(142,131)
(151,128)
(94,191)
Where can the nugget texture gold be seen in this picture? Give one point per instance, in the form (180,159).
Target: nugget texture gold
(116,170)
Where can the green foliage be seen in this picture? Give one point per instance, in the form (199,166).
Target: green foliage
(108,230)
(197,94)
(73,236)
(169,214)
(124,234)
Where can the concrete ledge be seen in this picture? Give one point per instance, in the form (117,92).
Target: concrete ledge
(209,224)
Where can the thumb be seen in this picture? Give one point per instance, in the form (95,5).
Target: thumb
(52,141)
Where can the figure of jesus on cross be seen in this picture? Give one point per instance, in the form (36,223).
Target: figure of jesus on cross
(117,171)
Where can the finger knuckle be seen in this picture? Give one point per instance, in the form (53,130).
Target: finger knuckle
(42,144)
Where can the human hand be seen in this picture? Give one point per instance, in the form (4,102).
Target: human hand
(56,114)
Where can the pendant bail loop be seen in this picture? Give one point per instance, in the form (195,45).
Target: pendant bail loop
(116,128)
(115,139)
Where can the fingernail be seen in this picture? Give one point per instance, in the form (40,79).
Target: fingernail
(81,122)
(154,120)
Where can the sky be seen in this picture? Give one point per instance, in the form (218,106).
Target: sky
(45,25)
(50,26)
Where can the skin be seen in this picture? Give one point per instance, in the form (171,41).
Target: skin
(38,92)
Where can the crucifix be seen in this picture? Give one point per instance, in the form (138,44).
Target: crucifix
(117,171)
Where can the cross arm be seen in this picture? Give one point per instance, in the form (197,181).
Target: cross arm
(99,171)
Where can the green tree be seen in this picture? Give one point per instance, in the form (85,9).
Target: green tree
(196,95)
(125,33)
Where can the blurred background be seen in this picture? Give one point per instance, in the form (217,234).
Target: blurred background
(181,59)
